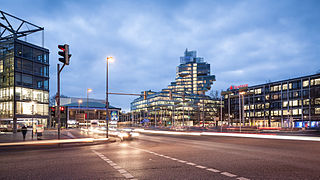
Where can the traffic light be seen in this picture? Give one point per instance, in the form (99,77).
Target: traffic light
(53,112)
(62,109)
(64,53)
(145,95)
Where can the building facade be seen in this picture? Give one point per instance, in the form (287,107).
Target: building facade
(288,103)
(184,102)
(24,81)
(82,112)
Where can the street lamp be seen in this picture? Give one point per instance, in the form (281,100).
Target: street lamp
(240,94)
(109,58)
(79,102)
(88,91)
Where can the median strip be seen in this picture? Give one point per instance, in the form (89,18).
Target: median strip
(244,135)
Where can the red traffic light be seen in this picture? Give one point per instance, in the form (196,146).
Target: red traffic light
(62,47)
(53,109)
(62,108)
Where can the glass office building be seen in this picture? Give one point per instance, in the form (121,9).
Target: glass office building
(24,82)
(184,102)
(288,103)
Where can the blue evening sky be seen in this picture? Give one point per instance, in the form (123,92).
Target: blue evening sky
(245,41)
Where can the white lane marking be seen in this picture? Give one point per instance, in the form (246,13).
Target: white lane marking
(127,175)
(242,178)
(122,171)
(228,174)
(202,167)
(190,163)
(213,170)
(117,167)
(193,164)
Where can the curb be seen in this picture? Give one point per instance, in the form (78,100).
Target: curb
(56,141)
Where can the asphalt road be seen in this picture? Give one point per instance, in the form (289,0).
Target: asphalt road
(167,157)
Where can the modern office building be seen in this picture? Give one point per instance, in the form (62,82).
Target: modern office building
(24,76)
(287,103)
(184,102)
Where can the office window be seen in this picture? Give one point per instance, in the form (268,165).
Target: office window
(317,111)
(284,86)
(27,80)
(317,101)
(305,83)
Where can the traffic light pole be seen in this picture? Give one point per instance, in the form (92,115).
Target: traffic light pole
(58,99)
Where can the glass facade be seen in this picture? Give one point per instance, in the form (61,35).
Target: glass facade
(288,103)
(184,102)
(24,83)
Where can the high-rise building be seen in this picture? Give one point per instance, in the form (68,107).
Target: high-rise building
(193,75)
(184,102)
(24,76)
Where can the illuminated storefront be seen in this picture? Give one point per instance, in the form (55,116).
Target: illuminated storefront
(78,113)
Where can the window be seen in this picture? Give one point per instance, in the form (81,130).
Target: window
(305,83)
(317,111)
(257,91)
(18,78)
(284,86)
(27,80)
(285,104)
(27,52)
(317,101)
(27,66)
(306,102)
(1,66)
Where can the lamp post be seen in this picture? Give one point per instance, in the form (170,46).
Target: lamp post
(107,100)
(79,102)
(86,119)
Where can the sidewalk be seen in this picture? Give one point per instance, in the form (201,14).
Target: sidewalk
(46,135)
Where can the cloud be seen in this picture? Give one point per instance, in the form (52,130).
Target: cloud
(244,41)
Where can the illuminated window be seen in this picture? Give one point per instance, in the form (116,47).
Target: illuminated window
(317,110)
(284,86)
(285,104)
(305,83)
(257,91)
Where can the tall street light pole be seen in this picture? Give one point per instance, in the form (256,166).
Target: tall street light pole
(107,100)
(79,102)
(88,91)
